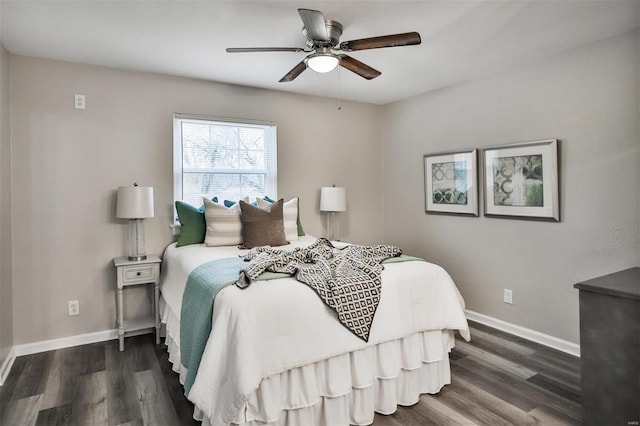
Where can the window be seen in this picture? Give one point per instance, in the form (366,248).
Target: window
(223,158)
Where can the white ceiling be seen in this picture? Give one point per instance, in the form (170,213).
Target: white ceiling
(461,40)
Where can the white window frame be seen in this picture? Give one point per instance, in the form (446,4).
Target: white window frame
(271,169)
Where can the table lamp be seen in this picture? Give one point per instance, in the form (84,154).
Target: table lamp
(333,199)
(135,203)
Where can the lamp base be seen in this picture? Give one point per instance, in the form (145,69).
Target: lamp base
(137,258)
(135,240)
(332,218)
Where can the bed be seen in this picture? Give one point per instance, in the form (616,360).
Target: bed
(276,354)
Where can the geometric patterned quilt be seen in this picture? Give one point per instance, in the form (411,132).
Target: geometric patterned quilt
(348,280)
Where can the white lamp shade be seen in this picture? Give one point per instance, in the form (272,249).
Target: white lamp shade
(135,202)
(333,199)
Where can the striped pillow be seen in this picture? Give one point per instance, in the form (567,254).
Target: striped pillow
(224,227)
(290,215)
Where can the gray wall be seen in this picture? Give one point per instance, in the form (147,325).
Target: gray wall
(68,164)
(6,296)
(588,98)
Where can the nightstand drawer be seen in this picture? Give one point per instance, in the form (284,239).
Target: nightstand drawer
(139,274)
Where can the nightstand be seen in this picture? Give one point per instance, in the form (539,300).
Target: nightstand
(134,273)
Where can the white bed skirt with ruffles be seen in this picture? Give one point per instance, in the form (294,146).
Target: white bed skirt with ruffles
(344,389)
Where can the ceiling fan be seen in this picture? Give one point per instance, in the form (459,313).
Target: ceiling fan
(323,40)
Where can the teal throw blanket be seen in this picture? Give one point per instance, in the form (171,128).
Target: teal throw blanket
(203,285)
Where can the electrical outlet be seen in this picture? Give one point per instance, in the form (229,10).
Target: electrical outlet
(508,296)
(74,307)
(80,102)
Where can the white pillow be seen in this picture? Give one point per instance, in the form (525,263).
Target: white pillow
(224,227)
(290,216)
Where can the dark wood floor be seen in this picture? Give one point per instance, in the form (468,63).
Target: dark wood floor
(497,379)
(500,379)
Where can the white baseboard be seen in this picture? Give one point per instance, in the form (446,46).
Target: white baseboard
(6,365)
(67,342)
(64,342)
(525,333)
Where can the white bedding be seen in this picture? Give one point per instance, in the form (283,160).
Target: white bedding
(275,326)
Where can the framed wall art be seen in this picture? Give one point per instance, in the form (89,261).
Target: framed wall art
(451,183)
(521,180)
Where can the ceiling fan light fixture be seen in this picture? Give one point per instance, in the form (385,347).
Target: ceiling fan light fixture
(323,62)
(323,39)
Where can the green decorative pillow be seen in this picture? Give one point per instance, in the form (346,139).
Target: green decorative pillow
(298,223)
(262,226)
(192,223)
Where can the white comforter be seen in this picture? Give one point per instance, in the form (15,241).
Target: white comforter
(273,326)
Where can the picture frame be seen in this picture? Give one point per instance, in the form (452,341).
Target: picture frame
(451,183)
(521,181)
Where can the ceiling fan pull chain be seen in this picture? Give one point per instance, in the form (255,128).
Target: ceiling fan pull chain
(339,92)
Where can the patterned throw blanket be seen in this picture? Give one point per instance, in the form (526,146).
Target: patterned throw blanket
(347,280)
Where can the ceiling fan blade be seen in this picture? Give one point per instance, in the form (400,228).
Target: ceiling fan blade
(393,40)
(295,72)
(314,23)
(362,69)
(263,49)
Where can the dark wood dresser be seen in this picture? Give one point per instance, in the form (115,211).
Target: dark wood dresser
(610,348)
